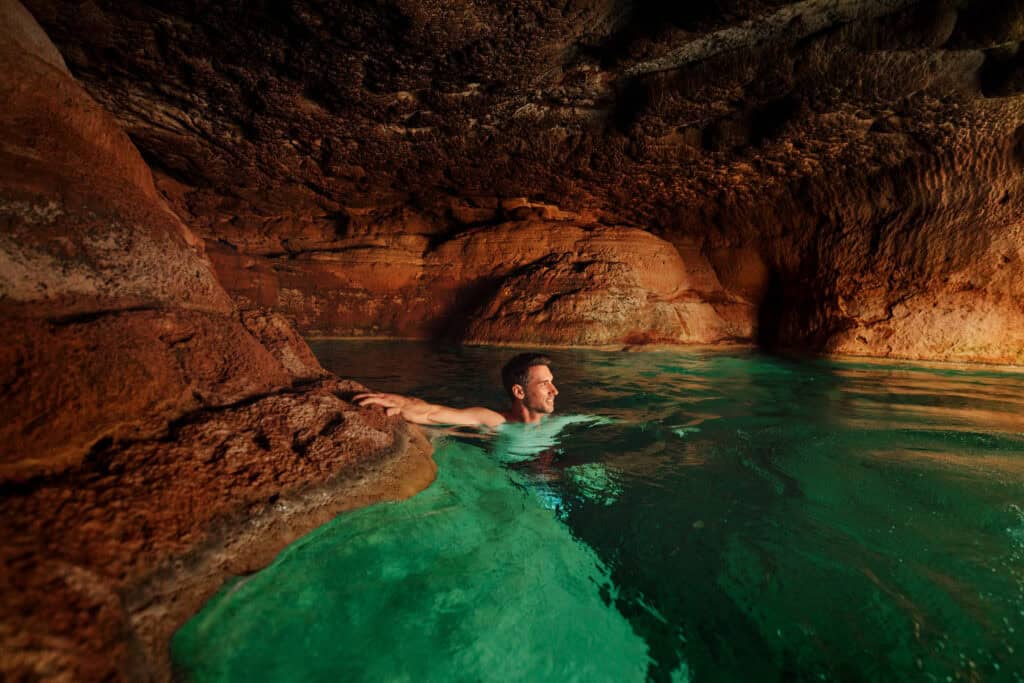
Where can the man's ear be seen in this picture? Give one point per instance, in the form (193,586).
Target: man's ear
(518,391)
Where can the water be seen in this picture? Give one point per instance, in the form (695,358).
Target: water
(733,517)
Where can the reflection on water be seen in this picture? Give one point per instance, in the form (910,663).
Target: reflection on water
(731,517)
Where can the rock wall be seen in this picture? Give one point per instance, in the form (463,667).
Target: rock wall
(850,170)
(155,438)
(521,282)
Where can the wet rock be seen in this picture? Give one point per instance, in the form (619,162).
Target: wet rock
(106,560)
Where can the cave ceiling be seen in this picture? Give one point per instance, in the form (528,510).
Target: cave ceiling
(693,118)
(840,175)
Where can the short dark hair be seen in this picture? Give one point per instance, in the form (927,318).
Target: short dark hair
(517,370)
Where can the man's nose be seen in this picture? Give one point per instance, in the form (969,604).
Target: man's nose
(554,390)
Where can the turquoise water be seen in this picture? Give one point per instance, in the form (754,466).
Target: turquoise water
(689,516)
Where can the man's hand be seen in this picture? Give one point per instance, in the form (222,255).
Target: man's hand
(393,404)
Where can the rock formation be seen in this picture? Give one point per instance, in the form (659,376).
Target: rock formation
(514,282)
(830,175)
(845,174)
(156,439)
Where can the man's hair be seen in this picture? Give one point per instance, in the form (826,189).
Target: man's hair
(517,370)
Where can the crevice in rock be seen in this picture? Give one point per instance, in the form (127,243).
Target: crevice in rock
(774,305)
(1002,72)
(451,325)
(986,24)
(87,317)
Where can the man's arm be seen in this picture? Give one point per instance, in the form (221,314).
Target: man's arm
(421,412)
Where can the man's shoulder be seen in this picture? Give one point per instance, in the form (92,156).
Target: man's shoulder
(488,417)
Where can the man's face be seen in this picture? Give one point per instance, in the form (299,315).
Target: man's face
(539,392)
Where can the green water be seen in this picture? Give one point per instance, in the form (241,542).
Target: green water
(731,517)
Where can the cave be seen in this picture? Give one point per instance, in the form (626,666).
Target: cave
(190,191)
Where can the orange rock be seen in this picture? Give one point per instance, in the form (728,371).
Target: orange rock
(499,284)
(84,229)
(154,438)
(833,161)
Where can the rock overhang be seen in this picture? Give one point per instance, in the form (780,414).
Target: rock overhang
(850,145)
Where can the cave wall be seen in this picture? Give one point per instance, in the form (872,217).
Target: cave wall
(521,282)
(846,175)
(805,150)
(156,438)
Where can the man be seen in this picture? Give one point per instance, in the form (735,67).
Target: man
(527,379)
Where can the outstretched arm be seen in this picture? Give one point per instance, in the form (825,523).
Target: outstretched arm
(421,412)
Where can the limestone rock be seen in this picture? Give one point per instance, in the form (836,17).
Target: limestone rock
(106,561)
(594,287)
(83,227)
(122,377)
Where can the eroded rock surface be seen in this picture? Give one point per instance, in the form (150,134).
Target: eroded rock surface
(851,169)
(105,562)
(519,281)
(155,439)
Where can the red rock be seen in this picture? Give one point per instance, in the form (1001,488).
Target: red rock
(612,285)
(155,439)
(109,559)
(84,229)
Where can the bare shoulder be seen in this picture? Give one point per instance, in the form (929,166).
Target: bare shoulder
(467,417)
(489,418)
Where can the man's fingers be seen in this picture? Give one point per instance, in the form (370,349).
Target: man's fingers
(385,400)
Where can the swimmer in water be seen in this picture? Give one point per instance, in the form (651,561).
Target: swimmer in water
(527,379)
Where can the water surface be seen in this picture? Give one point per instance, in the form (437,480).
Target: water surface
(730,517)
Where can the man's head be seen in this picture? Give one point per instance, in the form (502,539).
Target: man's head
(527,378)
